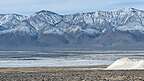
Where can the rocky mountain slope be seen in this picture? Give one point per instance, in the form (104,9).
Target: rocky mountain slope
(121,28)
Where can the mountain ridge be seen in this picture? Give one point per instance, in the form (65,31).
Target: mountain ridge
(101,29)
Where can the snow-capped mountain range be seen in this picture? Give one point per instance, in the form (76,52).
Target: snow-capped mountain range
(116,28)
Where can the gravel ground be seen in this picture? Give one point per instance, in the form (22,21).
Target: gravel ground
(72,75)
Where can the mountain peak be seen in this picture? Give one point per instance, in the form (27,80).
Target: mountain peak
(45,11)
(135,10)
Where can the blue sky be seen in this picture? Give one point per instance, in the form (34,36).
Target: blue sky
(65,6)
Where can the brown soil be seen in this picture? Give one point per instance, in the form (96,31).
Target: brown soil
(68,74)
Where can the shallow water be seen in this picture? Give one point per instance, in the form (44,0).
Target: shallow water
(63,58)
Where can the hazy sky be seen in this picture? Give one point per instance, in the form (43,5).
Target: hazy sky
(65,6)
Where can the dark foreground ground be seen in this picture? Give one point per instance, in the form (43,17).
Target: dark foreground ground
(67,74)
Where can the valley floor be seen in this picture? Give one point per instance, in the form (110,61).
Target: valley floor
(69,74)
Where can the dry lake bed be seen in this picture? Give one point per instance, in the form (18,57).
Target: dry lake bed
(49,66)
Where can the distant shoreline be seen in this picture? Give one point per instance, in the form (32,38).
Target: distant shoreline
(55,69)
(47,69)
